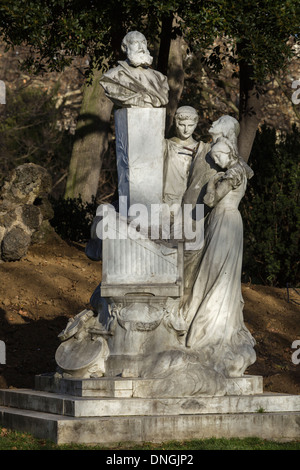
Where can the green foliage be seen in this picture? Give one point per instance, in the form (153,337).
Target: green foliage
(254,31)
(73,218)
(13,440)
(57,30)
(271,210)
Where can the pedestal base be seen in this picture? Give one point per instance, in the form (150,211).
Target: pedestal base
(117,387)
(106,411)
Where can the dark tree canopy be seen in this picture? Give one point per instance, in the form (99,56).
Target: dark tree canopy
(256,36)
(57,30)
(256,32)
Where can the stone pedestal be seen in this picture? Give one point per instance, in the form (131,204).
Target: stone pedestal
(133,264)
(139,150)
(142,277)
(110,410)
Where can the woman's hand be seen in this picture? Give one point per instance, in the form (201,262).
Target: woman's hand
(218,176)
(214,180)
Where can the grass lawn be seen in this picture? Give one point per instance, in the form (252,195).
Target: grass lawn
(12,440)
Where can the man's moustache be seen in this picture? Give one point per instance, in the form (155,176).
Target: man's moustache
(143,58)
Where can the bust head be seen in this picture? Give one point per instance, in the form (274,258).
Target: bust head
(186,120)
(226,126)
(223,153)
(134,45)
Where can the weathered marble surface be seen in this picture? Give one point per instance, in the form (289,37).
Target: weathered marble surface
(146,324)
(140,154)
(204,166)
(214,307)
(132,83)
(202,169)
(179,153)
(166,310)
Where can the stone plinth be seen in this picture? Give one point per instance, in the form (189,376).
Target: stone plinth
(115,407)
(140,265)
(117,387)
(105,411)
(139,147)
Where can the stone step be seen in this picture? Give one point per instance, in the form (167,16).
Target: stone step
(67,405)
(279,426)
(117,387)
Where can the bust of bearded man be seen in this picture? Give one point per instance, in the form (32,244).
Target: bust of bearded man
(133,83)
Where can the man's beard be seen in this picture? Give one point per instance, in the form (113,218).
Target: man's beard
(140,59)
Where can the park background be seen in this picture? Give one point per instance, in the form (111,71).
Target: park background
(221,58)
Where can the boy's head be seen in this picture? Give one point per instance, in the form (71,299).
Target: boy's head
(186,120)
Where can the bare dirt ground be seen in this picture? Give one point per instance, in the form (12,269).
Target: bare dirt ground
(55,281)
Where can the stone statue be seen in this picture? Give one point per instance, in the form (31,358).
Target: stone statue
(213,311)
(133,83)
(144,322)
(179,153)
(204,166)
(226,126)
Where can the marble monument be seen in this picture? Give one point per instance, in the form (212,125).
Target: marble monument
(164,311)
(162,350)
(133,83)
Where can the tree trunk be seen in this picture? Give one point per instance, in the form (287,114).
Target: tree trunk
(91,142)
(170,63)
(165,43)
(249,110)
(175,79)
